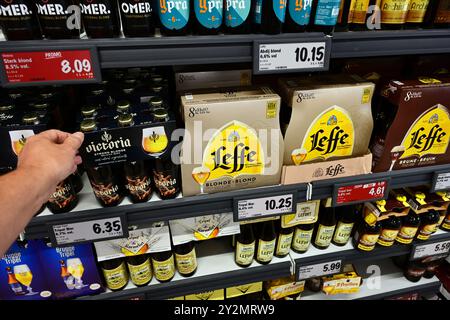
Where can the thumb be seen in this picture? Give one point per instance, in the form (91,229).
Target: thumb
(74,140)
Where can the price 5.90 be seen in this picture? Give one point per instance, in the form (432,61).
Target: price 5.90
(107,227)
(315,54)
(78,66)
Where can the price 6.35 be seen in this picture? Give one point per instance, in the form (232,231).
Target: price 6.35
(315,54)
(280,204)
(107,227)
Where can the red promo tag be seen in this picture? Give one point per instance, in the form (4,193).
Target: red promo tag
(39,66)
(361,192)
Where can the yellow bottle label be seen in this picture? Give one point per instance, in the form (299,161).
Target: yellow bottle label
(331,134)
(406,234)
(426,231)
(343,232)
(302,239)
(245,253)
(428,135)
(387,237)
(140,274)
(446,223)
(367,241)
(265,250)
(324,235)
(116,278)
(186,263)
(394,11)
(284,244)
(360,11)
(164,270)
(417,10)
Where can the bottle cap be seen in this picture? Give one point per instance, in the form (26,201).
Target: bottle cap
(97,92)
(160,114)
(128,89)
(156,101)
(88,125)
(88,111)
(30,118)
(46,94)
(6,106)
(123,106)
(40,105)
(125,120)
(157,88)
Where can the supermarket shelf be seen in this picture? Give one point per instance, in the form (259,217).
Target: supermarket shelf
(216,270)
(391,283)
(188,50)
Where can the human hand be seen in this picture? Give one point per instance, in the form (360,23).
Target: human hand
(52,156)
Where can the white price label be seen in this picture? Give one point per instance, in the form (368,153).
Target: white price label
(286,56)
(261,207)
(318,270)
(88,230)
(431,249)
(442,182)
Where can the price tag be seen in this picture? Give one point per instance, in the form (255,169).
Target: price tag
(307,55)
(86,231)
(362,192)
(47,67)
(245,209)
(441,181)
(430,249)
(319,270)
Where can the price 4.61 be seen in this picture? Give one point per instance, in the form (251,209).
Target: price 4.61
(314,54)
(281,203)
(379,191)
(77,66)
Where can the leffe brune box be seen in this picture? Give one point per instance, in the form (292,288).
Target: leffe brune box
(232,140)
(413,129)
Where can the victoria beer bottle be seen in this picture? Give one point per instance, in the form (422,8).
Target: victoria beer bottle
(115,273)
(323,234)
(100,18)
(58,19)
(186,259)
(298,14)
(64,198)
(140,269)
(324,15)
(18,20)
(137,18)
(269,16)
(174,17)
(266,242)
(208,16)
(245,246)
(237,16)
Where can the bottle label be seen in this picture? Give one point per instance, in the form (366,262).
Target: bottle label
(279,8)
(300,11)
(302,239)
(367,242)
(426,231)
(327,12)
(106,193)
(53,15)
(331,134)
(236,12)
(186,263)
(63,195)
(140,274)
(139,187)
(174,14)
(324,235)
(165,182)
(443,12)
(258,11)
(446,223)
(116,278)
(359,11)
(265,250)
(406,234)
(164,270)
(417,10)
(387,237)
(98,14)
(394,11)
(245,253)
(284,244)
(209,13)
(343,232)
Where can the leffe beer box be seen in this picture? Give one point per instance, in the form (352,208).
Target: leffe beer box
(21,274)
(70,271)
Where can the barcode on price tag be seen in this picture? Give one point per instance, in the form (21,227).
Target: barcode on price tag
(246,209)
(291,56)
(87,231)
(430,249)
(319,270)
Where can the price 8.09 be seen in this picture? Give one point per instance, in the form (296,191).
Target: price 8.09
(107,227)
(78,66)
(313,54)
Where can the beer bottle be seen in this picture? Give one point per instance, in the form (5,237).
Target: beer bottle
(394,13)
(123,107)
(208,16)
(77,181)
(389,231)
(431,267)
(266,242)
(346,220)
(15,286)
(245,246)
(446,223)
(284,240)
(428,222)
(416,13)
(408,230)
(414,271)
(18,20)
(237,16)
(156,103)
(31,118)
(366,236)
(345,16)
(89,112)
(324,14)
(302,237)
(64,198)
(269,15)
(140,269)
(137,18)
(55,19)
(323,234)
(100,18)
(6,111)
(442,215)
(115,274)
(166,178)
(163,266)
(361,14)
(186,259)
(437,14)
(298,14)
(174,17)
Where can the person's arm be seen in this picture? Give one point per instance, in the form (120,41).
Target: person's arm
(46,159)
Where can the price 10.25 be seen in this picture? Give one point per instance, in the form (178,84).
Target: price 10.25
(78,66)
(312,54)
(280,204)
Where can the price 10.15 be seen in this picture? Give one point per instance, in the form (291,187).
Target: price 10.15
(315,54)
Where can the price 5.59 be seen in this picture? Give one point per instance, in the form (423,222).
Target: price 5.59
(77,66)
(107,227)
(315,54)
(281,203)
